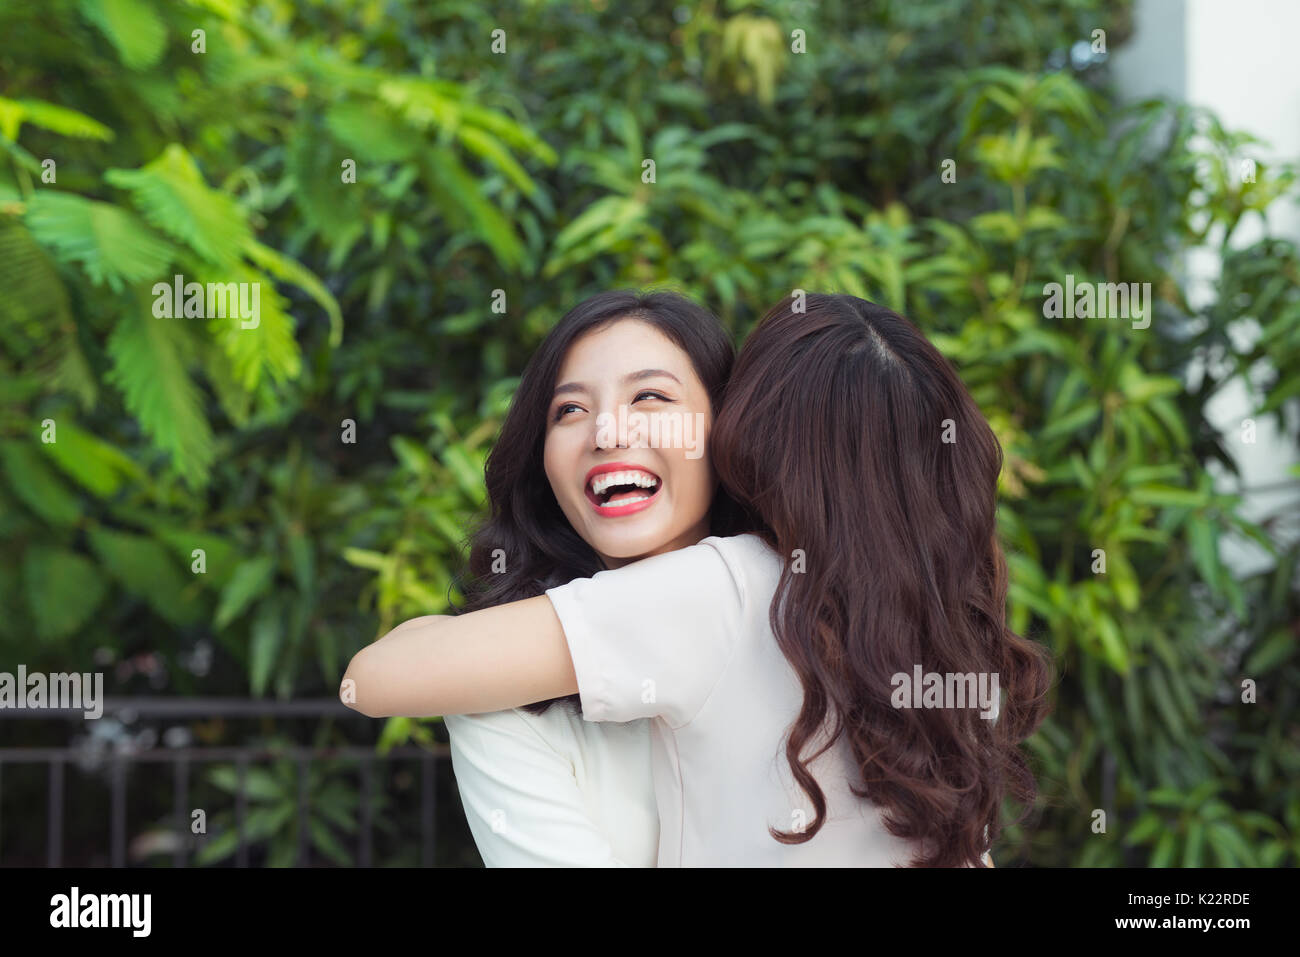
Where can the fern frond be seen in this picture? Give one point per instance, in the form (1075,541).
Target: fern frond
(329,205)
(172,195)
(48,116)
(148,356)
(132,26)
(72,373)
(370,132)
(62,588)
(34,306)
(267,349)
(458,194)
(288,270)
(109,242)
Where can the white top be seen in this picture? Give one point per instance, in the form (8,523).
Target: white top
(684,638)
(552,790)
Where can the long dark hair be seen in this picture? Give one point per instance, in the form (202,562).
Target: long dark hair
(526,545)
(885,476)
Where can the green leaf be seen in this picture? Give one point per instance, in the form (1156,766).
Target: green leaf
(267,636)
(261,344)
(1148,824)
(375,561)
(1166,495)
(260,824)
(287,270)
(490,148)
(371,132)
(1073,421)
(1164,703)
(326,842)
(1165,847)
(147,570)
(35,308)
(48,116)
(39,488)
(219,554)
(1123,578)
(1112,645)
(456,188)
(171,193)
(133,28)
(149,368)
(109,242)
(259,784)
(249,582)
(62,589)
(92,463)
(1276,648)
(1205,550)
(467,469)
(1229,838)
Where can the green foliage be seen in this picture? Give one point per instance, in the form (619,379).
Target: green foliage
(523,172)
(272,822)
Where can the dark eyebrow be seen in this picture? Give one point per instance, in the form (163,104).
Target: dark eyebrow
(650,374)
(630,377)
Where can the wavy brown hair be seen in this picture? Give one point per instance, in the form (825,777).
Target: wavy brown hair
(885,475)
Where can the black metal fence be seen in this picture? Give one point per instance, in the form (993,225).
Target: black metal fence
(184,759)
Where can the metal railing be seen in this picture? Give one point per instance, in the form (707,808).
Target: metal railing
(182,758)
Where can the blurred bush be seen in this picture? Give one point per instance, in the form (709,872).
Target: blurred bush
(499,180)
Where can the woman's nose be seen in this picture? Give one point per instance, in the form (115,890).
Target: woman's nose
(618,427)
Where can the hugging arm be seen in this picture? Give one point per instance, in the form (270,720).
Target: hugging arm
(488,660)
(666,623)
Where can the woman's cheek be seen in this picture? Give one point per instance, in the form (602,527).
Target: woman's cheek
(698,488)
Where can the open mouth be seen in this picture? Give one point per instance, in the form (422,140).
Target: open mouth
(617,490)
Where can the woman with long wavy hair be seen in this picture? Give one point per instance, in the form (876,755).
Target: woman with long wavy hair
(861,633)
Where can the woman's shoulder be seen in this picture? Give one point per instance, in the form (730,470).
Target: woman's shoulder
(748,555)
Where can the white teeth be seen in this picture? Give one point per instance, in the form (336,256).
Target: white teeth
(637,478)
(624,502)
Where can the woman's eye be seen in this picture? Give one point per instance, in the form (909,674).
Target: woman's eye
(650,394)
(559,412)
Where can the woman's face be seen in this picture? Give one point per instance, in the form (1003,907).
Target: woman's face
(626,448)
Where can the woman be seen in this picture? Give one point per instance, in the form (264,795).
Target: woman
(540,786)
(875,477)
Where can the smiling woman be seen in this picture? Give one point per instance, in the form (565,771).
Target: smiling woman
(598,413)
(650,499)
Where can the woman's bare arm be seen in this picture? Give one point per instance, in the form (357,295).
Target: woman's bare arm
(488,660)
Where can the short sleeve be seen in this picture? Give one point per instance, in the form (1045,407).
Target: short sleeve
(522,801)
(651,639)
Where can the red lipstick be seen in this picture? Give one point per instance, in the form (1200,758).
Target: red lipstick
(616,511)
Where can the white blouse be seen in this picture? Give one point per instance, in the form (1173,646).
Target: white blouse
(552,790)
(683,638)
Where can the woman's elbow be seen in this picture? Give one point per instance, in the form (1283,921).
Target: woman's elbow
(357,691)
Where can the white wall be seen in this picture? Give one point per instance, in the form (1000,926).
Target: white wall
(1238,58)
